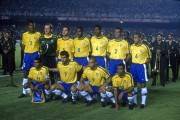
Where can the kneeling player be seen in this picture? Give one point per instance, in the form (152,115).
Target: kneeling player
(123,83)
(68,76)
(97,76)
(38,80)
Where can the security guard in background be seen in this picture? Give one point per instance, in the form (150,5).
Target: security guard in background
(172,57)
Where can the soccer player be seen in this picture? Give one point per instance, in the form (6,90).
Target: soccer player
(38,78)
(65,43)
(141,56)
(128,38)
(123,86)
(48,48)
(118,49)
(68,75)
(98,78)
(30,44)
(99,46)
(82,48)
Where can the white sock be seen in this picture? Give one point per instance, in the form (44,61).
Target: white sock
(24,91)
(86,95)
(59,92)
(111,96)
(130,99)
(144,95)
(135,95)
(74,95)
(25,80)
(28,90)
(47,92)
(103,97)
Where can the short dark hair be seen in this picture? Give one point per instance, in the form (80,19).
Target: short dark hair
(64,53)
(30,21)
(160,34)
(98,26)
(121,64)
(138,34)
(81,28)
(119,28)
(51,26)
(92,58)
(38,59)
(171,34)
(67,28)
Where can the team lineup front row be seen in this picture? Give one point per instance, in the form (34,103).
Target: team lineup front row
(73,56)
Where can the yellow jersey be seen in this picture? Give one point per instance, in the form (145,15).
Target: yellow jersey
(99,46)
(68,73)
(65,45)
(123,82)
(82,47)
(31,42)
(39,75)
(118,49)
(96,77)
(140,53)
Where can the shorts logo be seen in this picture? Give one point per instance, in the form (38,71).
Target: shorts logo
(141,51)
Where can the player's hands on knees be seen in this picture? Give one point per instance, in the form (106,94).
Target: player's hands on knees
(121,95)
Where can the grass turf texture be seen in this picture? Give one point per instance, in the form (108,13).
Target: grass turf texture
(163,103)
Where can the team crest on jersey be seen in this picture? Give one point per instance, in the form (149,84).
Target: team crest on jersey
(124,81)
(141,51)
(68,44)
(83,44)
(101,43)
(35,37)
(97,74)
(120,45)
(70,69)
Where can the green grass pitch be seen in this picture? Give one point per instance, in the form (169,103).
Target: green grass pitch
(163,103)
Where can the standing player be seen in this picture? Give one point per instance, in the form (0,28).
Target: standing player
(123,86)
(68,75)
(98,79)
(141,56)
(99,46)
(31,45)
(82,48)
(48,48)
(117,50)
(65,43)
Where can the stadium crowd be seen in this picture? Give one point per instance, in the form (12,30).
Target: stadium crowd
(105,64)
(162,9)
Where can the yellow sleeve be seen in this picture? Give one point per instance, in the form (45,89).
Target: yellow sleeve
(149,53)
(78,67)
(89,45)
(30,75)
(131,81)
(46,74)
(114,82)
(23,39)
(128,48)
(73,47)
(84,74)
(105,73)
(108,47)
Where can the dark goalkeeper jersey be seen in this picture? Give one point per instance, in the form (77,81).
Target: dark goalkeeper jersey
(48,45)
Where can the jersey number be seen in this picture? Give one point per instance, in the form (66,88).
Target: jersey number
(115,52)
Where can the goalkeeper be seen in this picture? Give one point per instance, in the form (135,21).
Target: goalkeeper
(48,46)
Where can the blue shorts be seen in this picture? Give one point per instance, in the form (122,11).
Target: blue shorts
(139,72)
(29,60)
(95,89)
(101,61)
(124,96)
(113,66)
(67,86)
(82,60)
(34,83)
